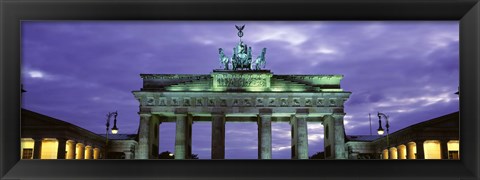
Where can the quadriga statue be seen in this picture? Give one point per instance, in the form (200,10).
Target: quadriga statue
(260,61)
(223,59)
(241,56)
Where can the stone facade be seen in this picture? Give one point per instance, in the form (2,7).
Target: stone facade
(409,142)
(69,141)
(81,143)
(241,96)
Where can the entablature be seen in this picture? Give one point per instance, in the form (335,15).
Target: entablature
(241,99)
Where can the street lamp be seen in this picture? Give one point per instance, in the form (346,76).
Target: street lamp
(114,129)
(380,129)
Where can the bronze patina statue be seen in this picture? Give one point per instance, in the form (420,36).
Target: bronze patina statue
(242,56)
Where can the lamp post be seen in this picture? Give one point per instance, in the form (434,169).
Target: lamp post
(114,128)
(380,129)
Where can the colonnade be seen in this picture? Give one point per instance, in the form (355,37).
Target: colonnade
(423,149)
(57,148)
(148,140)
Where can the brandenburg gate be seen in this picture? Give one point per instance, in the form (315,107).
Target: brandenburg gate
(241,92)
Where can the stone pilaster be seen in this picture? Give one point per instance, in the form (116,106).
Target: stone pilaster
(218,135)
(37,148)
(61,151)
(420,151)
(143,137)
(265,134)
(181,136)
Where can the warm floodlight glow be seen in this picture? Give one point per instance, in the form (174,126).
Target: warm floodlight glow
(49,148)
(380,131)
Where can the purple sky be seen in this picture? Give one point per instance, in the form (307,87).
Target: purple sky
(78,71)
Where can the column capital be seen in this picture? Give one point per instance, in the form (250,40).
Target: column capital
(338,114)
(265,112)
(143,114)
(301,112)
(145,110)
(181,111)
(217,112)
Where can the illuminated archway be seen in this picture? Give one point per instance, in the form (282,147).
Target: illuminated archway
(49,148)
(402,152)
(453,149)
(393,153)
(432,149)
(88,152)
(80,151)
(385,154)
(70,147)
(26,151)
(96,153)
(412,150)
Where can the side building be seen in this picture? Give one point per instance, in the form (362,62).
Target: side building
(437,138)
(44,137)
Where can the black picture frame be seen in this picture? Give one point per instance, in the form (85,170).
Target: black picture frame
(14,11)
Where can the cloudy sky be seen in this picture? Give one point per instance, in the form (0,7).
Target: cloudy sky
(78,71)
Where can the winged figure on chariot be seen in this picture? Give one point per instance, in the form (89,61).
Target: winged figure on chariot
(242,56)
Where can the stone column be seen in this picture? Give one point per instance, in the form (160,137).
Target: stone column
(143,137)
(61,151)
(37,148)
(339,136)
(259,138)
(128,155)
(265,134)
(294,132)
(218,135)
(407,151)
(334,136)
(444,149)
(188,139)
(181,136)
(420,152)
(302,135)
